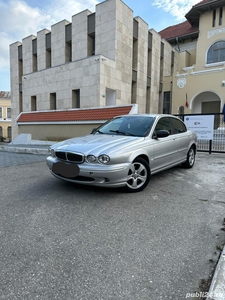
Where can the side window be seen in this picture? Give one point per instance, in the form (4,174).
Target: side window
(163,124)
(178,126)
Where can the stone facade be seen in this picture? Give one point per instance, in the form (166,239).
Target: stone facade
(103,58)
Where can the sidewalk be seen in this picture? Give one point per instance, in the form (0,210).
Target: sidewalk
(217,287)
(34,147)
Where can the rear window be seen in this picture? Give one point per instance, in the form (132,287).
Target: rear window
(178,126)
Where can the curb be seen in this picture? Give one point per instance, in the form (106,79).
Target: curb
(217,287)
(24,150)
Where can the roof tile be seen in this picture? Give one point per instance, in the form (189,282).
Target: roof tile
(181,29)
(95,114)
(178,30)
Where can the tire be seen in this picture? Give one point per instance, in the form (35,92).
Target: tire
(138,175)
(189,163)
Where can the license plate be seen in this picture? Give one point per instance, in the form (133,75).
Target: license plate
(66,170)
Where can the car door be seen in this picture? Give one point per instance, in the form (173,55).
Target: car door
(164,149)
(182,139)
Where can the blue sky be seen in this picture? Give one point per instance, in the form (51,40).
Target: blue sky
(23,18)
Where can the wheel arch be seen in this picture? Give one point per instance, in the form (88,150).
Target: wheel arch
(194,146)
(143,156)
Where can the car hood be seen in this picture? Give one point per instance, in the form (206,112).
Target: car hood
(97,144)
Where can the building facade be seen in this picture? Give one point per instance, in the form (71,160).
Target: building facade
(198,85)
(5,116)
(105,58)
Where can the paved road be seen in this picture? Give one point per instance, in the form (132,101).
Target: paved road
(10,158)
(64,241)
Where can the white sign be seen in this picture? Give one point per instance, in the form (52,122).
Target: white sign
(201,125)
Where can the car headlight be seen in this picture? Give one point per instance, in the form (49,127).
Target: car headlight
(51,152)
(91,158)
(104,159)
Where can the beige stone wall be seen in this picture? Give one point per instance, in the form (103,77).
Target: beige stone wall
(41,49)
(123,58)
(108,73)
(58,44)
(27,54)
(155,72)
(56,132)
(14,85)
(142,63)
(79,35)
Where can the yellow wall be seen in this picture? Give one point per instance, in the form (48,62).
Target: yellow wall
(4,121)
(194,78)
(56,132)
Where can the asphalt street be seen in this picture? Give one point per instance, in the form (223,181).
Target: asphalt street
(10,158)
(64,241)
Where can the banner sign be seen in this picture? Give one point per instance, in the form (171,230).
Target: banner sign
(201,125)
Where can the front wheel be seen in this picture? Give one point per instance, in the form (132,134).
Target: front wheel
(138,175)
(189,163)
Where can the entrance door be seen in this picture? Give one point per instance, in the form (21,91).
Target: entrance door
(212,107)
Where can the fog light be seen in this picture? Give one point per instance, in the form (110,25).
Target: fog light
(91,158)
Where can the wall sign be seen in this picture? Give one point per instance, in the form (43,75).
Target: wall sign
(181,82)
(201,125)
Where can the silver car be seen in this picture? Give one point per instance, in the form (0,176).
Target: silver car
(124,152)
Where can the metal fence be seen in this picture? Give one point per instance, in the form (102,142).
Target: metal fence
(217,144)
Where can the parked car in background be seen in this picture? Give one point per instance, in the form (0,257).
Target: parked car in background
(124,152)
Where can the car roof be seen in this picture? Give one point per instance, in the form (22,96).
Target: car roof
(147,115)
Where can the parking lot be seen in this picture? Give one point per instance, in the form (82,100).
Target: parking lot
(65,241)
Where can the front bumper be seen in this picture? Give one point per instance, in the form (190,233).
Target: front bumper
(95,174)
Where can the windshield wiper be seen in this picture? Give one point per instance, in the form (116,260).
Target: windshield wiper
(99,131)
(122,132)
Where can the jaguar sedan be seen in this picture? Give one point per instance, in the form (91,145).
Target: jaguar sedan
(124,152)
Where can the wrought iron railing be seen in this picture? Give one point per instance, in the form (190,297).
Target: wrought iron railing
(217,143)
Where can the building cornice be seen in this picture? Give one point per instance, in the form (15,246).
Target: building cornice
(181,75)
(188,68)
(63,123)
(215,64)
(207,71)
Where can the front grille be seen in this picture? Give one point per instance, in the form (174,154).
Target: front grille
(61,155)
(74,157)
(70,156)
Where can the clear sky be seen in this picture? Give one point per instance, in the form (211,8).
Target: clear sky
(23,18)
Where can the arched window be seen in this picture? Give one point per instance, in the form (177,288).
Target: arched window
(216,52)
(181,110)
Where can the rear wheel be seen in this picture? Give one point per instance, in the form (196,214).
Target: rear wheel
(138,175)
(189,163)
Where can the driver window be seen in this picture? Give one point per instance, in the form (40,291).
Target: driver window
(163,124)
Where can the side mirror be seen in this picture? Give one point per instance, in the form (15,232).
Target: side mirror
(93,130)
(162,134)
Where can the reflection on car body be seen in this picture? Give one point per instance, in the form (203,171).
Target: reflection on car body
(125,151)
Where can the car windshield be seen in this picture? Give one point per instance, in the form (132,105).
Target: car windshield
(128,125)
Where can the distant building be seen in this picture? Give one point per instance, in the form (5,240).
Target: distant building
(106,58)
(5,116)
(198,84)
